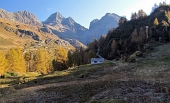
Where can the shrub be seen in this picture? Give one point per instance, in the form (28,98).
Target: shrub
(13,74)
(7,75)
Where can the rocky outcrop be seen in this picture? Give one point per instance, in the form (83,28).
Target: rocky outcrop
(46,29)
(76,43)
(22,33)
(62,42)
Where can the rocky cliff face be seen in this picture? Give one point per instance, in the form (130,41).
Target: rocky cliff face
(99,27)
(62,24)
(20,16)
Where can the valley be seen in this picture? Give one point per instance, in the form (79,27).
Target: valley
(50,61)
(147,80)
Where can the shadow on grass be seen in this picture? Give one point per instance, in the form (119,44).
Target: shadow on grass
(78,73)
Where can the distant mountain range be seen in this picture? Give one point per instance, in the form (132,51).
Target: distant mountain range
(66,28)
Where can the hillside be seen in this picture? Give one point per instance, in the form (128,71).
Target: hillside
(131,35)
(15,34)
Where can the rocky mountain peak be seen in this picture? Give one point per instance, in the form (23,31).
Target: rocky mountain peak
(24,12)
(94,21)
(71,20)
(55,18)
(99,27)
(110,14)
(58,15)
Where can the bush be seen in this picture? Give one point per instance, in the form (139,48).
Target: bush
(7,75)
(13,74)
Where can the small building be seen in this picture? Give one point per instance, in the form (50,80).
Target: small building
(97,60)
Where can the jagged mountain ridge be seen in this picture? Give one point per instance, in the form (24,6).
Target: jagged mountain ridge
(27,18)
(63,24)
(66,28)
(20,16)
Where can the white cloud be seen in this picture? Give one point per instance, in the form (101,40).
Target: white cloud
(49,9)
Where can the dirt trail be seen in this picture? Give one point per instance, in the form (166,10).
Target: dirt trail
(39,87)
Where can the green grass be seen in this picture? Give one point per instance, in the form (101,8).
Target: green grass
(71,74)
(166,59)
(86,69)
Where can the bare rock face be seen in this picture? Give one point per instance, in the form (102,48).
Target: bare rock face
(62,24)
(20,16)
(76,43)
(62,42)
(65,28)
(99,27)
(22,33)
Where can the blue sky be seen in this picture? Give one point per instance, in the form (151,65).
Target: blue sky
(82,11)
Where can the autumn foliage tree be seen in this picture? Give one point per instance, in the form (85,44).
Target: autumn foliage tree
(16,61)
(60,63)
(141,14)
(40,62)
(27,58)
(168,16)
(156,23)
(3,63)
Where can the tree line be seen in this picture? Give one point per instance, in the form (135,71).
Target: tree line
(42,60)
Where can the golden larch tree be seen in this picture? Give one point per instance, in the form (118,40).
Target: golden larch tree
(40,62)
(156,22)
(16,60)
(61,58)
(3,63)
